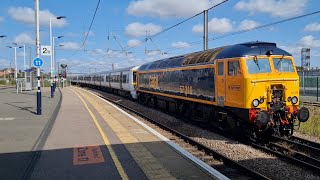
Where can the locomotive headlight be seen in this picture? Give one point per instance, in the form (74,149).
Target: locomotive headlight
(289,99)
(294,100)
(255,103)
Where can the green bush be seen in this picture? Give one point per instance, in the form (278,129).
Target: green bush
(3,82)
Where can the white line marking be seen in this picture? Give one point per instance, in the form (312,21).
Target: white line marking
(7,119)
(213,172)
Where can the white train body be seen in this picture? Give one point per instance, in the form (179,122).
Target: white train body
(122,81)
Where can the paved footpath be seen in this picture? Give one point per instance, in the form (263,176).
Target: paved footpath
(93,140)
(22,131)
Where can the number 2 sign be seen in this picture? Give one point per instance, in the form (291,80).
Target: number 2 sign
(46,50)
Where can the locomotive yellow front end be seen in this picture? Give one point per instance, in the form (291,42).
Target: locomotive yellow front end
(272,94)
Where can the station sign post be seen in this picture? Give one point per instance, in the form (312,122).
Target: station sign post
(38,62)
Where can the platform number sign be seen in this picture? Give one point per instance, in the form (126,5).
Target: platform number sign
(37,62)
(46,50)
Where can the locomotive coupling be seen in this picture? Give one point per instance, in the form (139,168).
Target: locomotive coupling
(303,114)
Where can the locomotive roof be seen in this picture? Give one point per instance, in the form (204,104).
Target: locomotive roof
(255,48)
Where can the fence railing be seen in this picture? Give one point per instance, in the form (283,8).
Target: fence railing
(309,86)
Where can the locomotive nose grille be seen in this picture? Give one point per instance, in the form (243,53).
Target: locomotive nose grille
(277,93)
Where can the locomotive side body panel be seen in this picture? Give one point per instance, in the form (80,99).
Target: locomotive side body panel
(193,83)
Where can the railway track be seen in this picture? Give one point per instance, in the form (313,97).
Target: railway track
(301,152)
(218,161)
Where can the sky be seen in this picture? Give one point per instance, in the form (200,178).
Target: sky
(119,30)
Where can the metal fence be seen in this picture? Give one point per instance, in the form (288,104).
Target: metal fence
(309,88)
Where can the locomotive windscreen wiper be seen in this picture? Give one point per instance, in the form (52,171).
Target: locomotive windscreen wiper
(256,61)
(279,61)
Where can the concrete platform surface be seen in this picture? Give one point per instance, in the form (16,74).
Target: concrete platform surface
(22,131)
(90,139)
(20,126)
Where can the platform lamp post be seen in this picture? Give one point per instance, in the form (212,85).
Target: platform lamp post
(16,67)
(53,62)
(3,36)
(52,65)
(37,30)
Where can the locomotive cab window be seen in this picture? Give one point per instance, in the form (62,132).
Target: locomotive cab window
(233,68)
(220,68)
(258,65)
(283,65)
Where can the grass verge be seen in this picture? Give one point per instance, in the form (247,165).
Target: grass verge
(312,126)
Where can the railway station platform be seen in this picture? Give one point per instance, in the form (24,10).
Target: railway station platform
(21,129)
(93,139)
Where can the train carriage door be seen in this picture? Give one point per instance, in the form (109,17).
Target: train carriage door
(233,84)
(221,83)
(120,80)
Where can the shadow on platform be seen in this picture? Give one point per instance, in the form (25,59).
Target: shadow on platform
(22,108)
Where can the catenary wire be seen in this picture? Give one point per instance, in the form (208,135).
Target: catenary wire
(167,29)
(85,39)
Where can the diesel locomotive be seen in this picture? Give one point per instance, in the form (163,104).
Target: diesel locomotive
(252,87)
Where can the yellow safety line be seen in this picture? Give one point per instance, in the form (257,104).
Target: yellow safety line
(106,141)
(144,158)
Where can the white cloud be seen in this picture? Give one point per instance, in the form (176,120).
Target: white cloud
(138,30)
(294,50)
(248,24)
(89,34)
(24,38)
(277,8)
(97,52)
(181,45)
(309,42)
(314,27)
(169,8)
(26,15)
(133,42)
(69,45)
(215,25)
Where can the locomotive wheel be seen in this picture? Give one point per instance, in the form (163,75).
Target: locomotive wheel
(186,112)
(152,102)
(142,99)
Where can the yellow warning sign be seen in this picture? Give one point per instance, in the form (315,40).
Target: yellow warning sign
(87,155)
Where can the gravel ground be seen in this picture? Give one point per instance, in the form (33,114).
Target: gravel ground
(263,163)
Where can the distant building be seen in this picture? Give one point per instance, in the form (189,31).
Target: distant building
(7,73)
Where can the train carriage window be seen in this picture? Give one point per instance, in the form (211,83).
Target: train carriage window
(220,68)
(124,78)
(233,68)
